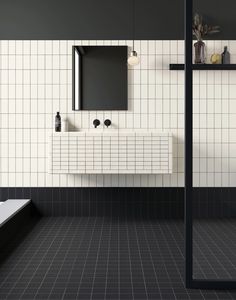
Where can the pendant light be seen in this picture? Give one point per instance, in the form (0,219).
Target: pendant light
(133,59)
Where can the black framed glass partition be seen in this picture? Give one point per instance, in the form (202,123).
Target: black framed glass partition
(210,215)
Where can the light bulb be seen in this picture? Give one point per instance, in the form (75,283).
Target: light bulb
(133,59)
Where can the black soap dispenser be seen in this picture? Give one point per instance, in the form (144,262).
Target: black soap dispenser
(58,122)
(225,56)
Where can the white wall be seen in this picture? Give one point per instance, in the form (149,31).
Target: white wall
(35,83)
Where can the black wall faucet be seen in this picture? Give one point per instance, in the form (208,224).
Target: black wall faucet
(107,123)
(96,123)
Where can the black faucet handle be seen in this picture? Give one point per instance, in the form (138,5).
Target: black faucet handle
(96,123)
(107,123)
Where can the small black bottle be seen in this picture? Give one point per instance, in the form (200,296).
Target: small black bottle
(58,122)
(225,56)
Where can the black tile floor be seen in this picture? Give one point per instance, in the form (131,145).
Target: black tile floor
(214,249)
(100,258)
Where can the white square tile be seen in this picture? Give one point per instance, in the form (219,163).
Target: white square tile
(232,91)
(232,106)
(144,47)
(33,47)
(48,62)
(152,91)
(144,91)
(151,77)
(11,62)
(144,77)
(143,62)
(4,47)
(12,47)
(41,47)
(56,62)
(151,62)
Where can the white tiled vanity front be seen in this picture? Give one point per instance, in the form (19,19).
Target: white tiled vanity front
(110,153)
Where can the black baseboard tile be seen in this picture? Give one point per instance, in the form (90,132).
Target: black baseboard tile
(166,202)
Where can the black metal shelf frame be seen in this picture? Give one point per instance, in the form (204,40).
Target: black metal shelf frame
(204,67)
(188,148)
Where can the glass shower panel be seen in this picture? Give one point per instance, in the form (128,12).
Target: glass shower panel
(214,172)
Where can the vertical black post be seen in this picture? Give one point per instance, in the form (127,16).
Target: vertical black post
(188,145)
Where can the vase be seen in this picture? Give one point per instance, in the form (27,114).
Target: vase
(200,52)
(225,56)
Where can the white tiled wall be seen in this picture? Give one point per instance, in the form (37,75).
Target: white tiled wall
(35,83)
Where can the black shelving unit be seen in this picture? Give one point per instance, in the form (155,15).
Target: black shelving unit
(204,67)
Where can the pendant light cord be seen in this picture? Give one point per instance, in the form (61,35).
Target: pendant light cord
(133,21)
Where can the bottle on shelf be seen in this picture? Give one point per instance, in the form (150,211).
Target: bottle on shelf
(225,56)
(58,122)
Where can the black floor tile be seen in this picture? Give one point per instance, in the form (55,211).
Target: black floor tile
(99,258)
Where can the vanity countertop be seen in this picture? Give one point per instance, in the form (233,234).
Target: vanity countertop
(112,132)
